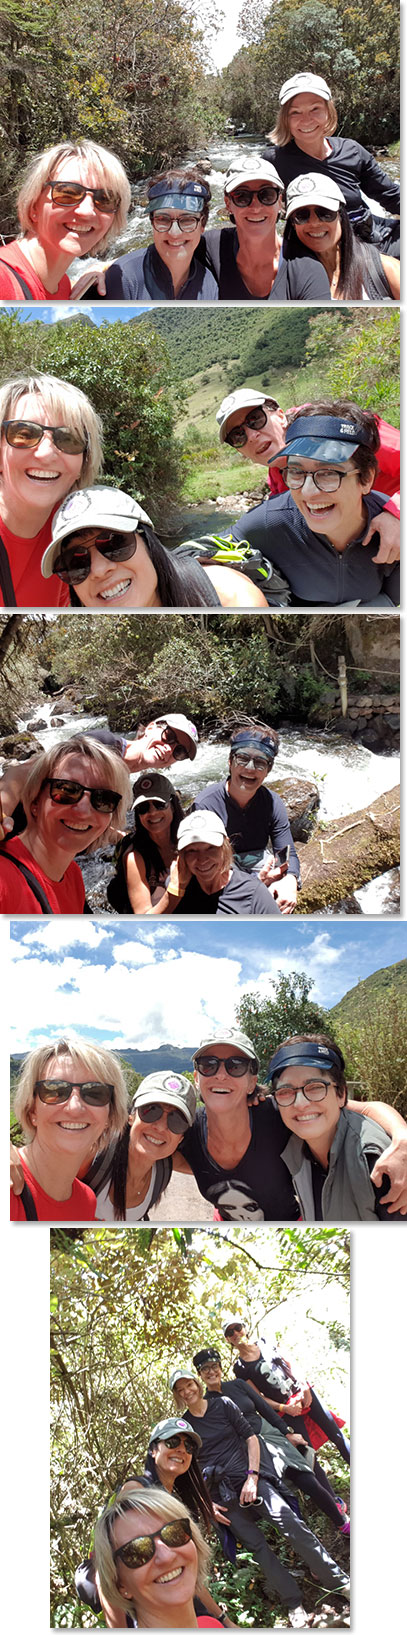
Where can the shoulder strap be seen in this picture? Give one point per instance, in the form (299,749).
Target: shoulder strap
(30,879)
(28,294)
(6,583)
(28,1203)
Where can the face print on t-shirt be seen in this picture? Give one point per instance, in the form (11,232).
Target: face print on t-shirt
(235,1201)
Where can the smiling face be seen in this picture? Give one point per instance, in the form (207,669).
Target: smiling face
(171,1462)
(189,1391)
(73,1127)
(308,118)
(157,821)
(262,444)
(167,1581)
(339,515)
(33,481)
(70,828)
(176,247)
(75,230)
(211,1375)
(244,780)
(314,1122)
(255,222)
(223,1091)
(319,236)
(155,1140)
(117,584)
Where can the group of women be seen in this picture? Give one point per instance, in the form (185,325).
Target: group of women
(75,199)
(304,1151)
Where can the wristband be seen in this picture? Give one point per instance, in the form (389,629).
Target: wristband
(253,1472)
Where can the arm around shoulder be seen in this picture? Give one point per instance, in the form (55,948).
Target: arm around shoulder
(235,589)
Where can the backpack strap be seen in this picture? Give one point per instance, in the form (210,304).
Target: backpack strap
(27,293)
(30,879)
(6,583)
(28,1203)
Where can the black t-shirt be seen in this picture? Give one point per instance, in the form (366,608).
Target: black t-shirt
(244,894)
(350,165)
(259,1187)
(224,1433)
(272,1376)
(254,1410)
(302,278)
(316,572)
(251,827)
(319,1175)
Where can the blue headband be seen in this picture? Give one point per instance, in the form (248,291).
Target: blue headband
(303,1053)
(322,436)
(254,740)
(169,196)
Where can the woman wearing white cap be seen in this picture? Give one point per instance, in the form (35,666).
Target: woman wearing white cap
(143,859)
(317,218)
(205,879)
(304,131)
(50,444)
(247,256)
(105,548)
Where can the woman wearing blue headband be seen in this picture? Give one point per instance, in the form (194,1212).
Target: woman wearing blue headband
(173,267)
(332,1151)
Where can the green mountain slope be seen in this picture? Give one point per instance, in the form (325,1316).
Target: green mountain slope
(376,988)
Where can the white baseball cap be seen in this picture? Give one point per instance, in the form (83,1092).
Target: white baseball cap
(185,730)
(244,398)
(313,188)
(201,825)
(230,1036)
(304,82)
(96,507)
(253,169)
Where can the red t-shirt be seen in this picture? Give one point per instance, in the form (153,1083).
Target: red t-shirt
(10,289)
(387,480)
(66,896)
(80,1206)
(25,555)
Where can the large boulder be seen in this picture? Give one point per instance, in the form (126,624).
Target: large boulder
(301,797)
(18,746)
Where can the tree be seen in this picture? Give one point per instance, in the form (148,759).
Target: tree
(268,1021)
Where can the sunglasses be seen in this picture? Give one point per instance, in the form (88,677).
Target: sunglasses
(244,758)
(152,806)
(71,193)
(169,737)
(176,1120)
(318,210)
(314,1090)
(163,222)
(235,1328)
(327,481)
(29,434)
(66,792)
(236,1066)
(73,564)
(176,1441)
(245,195)
(255,420)
(139,1551)
(55,1091)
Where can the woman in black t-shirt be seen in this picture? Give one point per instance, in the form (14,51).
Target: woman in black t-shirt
(247,258)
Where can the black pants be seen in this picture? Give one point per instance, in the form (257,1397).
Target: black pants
(278,1580)
(322,1496)
(327,1423)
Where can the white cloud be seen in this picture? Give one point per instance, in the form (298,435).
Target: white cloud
(135,1005)
(58,934)
(322,952)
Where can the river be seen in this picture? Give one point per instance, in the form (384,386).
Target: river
(348,776)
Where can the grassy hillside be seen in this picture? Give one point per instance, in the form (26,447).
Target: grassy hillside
(375,990)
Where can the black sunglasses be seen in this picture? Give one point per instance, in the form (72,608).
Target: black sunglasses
(175,1442)
(176,1120)
(265,195)
(73,564)
(29,433)
(236,1066)
(71,193)
(255,420)
(152,805)
(303,213)
(170,737)
(139,1551)
(234,1328)
(66,792)
(53,1091)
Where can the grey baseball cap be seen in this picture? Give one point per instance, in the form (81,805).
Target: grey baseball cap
(152,786)
(230,1036)
(96,507)
(311,189)
(180,1374)
(244,398)
(174,1427)
(171,1088)
(251,169)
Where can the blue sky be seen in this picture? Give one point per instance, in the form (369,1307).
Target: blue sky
(141,985)
(49,314)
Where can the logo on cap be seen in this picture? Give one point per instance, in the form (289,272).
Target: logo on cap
(146,783)
(75,505)
(347,426)
(304,184)
(172,1083)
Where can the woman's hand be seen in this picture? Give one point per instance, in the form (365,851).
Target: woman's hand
(388,527)
(297,1440)
(249,1490)
(285,893)
(393,1162)
(180,875)
(221,1515)
(93,275)
(16,1171)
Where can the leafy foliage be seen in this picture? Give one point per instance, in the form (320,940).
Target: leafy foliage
(268,1021)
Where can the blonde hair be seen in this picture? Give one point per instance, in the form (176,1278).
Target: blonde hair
(282,133)
(104,167)
(59,397)
(226,854)
(110,766)
(177,1390)
(154,1501)
(95,1059)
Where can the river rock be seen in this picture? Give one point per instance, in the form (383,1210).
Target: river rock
(57,720)
(36,726)
(19,746)
(348,852)
(301,797)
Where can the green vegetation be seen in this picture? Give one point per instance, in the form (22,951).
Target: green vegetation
(269,1021)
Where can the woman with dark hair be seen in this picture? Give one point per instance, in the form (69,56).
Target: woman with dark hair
(304,131)
(131,1176)
(247,256)
(317,218)
(173,267)
(332,1151)
(143,859)
(101,528)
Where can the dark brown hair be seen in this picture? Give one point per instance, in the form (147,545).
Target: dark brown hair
(335,1073)
(364,460)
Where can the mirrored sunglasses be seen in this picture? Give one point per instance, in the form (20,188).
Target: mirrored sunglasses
(304,212)
(53,1091)
(268,194)
(29,434)
(176,1120)
(73,564)
(315,1090)
(72,193)
(236,1066)
(66,792)
(163,222)
(139,1551)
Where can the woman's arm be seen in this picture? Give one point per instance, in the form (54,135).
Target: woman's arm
(235,589)
(393,1161)
(180,876)
(391,268)
(212,1607)
(136,881)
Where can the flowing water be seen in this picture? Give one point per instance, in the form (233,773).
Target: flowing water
(347,776)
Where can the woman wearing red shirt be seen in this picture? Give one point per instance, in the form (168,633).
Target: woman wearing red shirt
(70,1099)
(74,199)
(50,444)
(74,794)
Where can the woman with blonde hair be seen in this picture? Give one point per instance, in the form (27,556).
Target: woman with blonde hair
(150,1558)
(74,199)
(73,794)
(51,444)
(71,1099)
(204,879)
(303,140)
